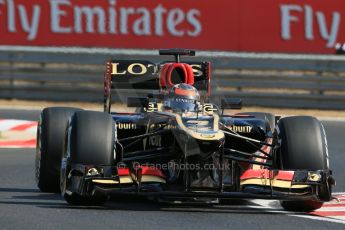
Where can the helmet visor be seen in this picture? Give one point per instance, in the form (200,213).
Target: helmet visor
(182,104)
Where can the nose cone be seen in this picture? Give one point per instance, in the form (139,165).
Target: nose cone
(201,127)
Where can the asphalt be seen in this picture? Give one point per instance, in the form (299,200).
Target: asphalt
(23,206)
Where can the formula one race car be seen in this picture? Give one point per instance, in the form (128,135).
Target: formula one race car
(178,146)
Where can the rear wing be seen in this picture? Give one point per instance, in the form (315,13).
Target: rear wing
(141,74)
(132,74)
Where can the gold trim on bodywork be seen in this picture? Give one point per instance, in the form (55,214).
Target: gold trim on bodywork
(129,180)
(218,135)
(126,180)
(148,178)
(314,177)
(273,183)
(123,180)
(105,181)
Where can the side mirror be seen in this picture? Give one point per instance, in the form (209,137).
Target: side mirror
(137,102)
(231,103)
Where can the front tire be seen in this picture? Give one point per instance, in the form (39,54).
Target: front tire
(49,147)
(303,146)
(92,138)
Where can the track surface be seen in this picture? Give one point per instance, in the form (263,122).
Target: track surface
(22,206)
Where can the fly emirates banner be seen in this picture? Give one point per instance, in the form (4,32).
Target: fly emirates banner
(293,26)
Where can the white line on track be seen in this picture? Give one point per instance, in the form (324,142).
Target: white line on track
(327,219)
(272,206)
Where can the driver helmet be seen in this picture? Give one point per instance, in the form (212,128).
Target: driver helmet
(182,97)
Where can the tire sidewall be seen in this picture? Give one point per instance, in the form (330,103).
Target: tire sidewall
(49,146)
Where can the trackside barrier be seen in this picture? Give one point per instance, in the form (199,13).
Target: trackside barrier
(274,80)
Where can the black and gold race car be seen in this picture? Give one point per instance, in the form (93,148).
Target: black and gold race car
(178,146)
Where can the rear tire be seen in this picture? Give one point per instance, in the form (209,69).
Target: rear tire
(303,147)
(91,142)
(50,145)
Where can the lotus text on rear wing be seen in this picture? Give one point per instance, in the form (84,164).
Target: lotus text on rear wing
(146,68)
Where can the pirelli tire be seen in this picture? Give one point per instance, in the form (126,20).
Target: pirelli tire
(303,146)
(269,117)
(49,148)
(91,142)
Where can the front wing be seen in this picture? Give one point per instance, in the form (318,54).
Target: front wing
(260,184)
